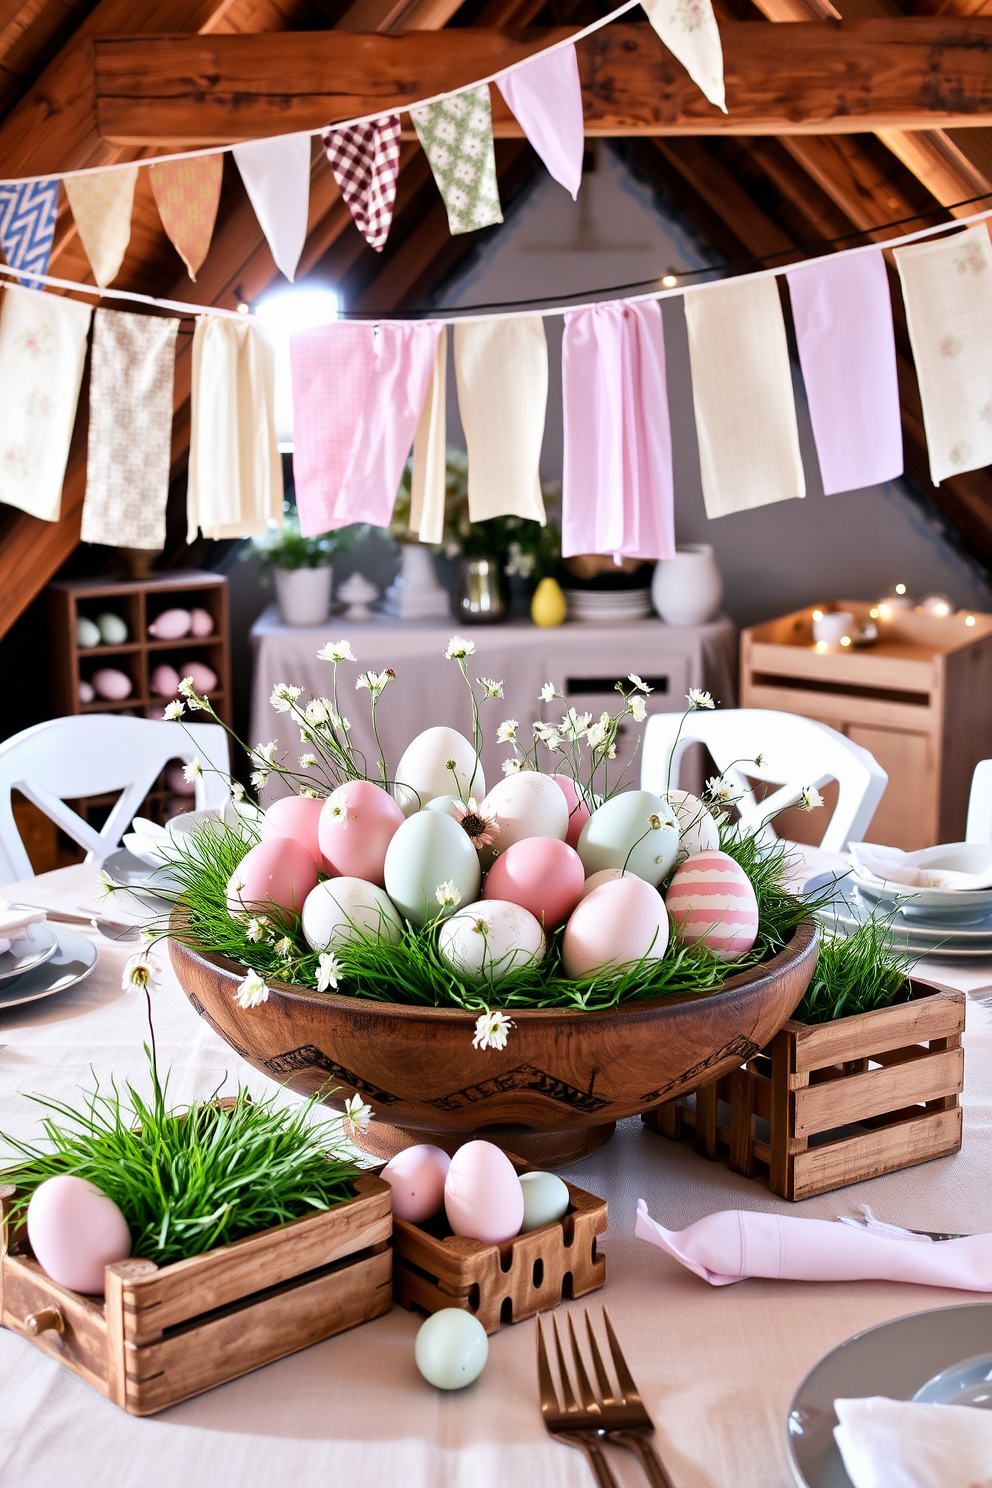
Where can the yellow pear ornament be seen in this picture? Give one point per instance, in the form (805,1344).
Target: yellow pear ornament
(548,605)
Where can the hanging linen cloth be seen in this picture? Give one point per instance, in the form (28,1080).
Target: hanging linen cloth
(42,352)
(617,486)
(365,160)
(132,372)
(501,368)
(847,350)
(27,224)
(235,471)
(947,287)
(101,208)
(429,482)
(545,98)
(276,174)
(690,32)
(742,395)
(187,193)
(457,137)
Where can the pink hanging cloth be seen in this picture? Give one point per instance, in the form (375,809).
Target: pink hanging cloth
(545,98)
(617,487)
(843,318)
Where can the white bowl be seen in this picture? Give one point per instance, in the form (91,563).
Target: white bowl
(961,906)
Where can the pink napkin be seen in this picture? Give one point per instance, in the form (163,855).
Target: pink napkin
(545,98)
(736,1244)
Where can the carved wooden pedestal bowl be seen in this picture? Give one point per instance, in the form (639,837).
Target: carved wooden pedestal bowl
(552,1095)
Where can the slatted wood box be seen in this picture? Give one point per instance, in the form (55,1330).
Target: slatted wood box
(162,1334)
(501,1283)
(829,1104)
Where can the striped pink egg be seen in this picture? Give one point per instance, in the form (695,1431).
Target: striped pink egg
(710,902)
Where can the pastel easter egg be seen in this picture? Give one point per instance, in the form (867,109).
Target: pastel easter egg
(616,924)
(204,679)
(490,939)
(171,625)
(447,805)
(423,773)
(428,851)
(86,693)
(75,1231)
(712,902)
(112,684)
(451,1348)
(527,804)
(340,911)
(605,875)
(164,681)
(546,1200)
(543,874)
(619,834)
(297,817)
(201,622)
(356,825)
(113,630)
(578,811)
(277,874)
(482,1194)
(416,1175)
(698,832)
(87,633)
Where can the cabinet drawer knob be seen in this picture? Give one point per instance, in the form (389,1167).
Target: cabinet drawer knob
(48,1320)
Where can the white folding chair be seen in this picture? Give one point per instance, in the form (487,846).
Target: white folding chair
(96,754)
(793,750)
(979,824)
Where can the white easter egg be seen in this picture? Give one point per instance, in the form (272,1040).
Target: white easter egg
(341,910)
(87,633)
(698,832)
(488,940)
(86,693)
(113,630)
(616,924)
(712,902)
(416,1175)
(545,1200)
(428,850)
(423,773)
(447,805)
(527,804)
(75,1231)
(482,1194)
(451,1348)
(619,834)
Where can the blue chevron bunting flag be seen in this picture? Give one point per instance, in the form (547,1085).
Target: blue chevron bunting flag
(27,224)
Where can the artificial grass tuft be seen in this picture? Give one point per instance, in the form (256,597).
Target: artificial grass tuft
(856,973)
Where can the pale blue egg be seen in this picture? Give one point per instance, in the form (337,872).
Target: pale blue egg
(430,859)
(451,1349)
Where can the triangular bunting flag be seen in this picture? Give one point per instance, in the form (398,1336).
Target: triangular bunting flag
(276,173)
(101,205)
(187,193)
(366,160)
(457,138)
(689,30)
(27,224)
(545,98)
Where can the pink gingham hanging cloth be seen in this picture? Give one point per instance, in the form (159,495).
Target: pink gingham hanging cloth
(331,368)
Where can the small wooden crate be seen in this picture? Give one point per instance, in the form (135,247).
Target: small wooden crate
(501,1283)
(165,1333)
(829,1104)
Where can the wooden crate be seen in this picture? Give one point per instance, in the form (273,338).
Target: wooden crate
(829,1104)
(165,1333)
(501,1283)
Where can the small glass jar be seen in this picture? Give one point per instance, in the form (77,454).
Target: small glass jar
(480,594)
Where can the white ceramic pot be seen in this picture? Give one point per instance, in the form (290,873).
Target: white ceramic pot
(415,593)
(687,589)
(304,595)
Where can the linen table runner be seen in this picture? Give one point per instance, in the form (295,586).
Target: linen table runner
(501,367)
(742,395)
(101,208)
(457,138)
(429,483)
(847,350)
(545,98)
(235,471)
(947,287)
(187,193)
(132,372)
(42,352)
(365,160)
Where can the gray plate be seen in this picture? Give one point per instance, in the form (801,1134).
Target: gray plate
(896,1359)
(967,1383)
(848,910)
(74,958)
(37,947)
(140,879)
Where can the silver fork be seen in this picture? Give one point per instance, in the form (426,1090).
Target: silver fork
(576,1426)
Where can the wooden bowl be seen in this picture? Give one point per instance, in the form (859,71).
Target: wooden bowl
(552,1095)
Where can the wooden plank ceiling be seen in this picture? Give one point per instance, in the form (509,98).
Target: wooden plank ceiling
(748,195)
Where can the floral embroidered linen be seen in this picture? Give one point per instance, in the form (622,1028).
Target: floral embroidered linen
(132,371)
(457,138)
(42,352)
(101,207)
(947,287)
(689,30)
(187,193)
(502,371)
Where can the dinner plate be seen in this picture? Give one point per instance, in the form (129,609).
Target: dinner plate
(966,1383)
(38,946)
(74,958)
(849,909)
(140,879)
(896,1359)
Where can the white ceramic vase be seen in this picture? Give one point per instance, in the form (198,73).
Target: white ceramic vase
(415,593)
(687,589)
(304,595)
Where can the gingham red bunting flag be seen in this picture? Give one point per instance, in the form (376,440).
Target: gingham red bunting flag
(365,160)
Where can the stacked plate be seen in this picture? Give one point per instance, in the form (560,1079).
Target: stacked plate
(46,961)
(917,931)
(608,606)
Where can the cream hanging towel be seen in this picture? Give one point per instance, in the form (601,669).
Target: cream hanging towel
(742,394)
(42,351)
(947,286)
(101,206)
(501,367)
(430,474)
(235,471)
(132,371)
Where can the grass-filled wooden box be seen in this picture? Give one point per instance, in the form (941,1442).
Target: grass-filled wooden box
(432,1268)
(164,1333)
(828,1104)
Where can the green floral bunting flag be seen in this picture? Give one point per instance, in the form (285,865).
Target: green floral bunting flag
(457,137)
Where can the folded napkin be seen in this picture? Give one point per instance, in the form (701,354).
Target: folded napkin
(892,865)
(148,841)
(735,1244)
(899,1444)
(15,924)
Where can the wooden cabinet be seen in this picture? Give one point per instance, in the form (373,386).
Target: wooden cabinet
(920,700)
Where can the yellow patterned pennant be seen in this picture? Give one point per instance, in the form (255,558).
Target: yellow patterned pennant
(187,193)
(101,205)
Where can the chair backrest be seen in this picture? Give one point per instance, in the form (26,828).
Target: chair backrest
(98,754)
(795,752)
(979,826)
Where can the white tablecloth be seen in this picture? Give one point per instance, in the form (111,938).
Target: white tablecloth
(717,1367)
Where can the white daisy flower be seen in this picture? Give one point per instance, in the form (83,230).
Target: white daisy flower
(251,991)
(283,696)
(336,651)
(447,895)
(173,710)
(810,798)
(356,1116)
(638,709)
(491,1031)
(548,692)
(507,731)
(697,699)
(139,974)
(193,771)
(638,683)
(458,648)
(329,972)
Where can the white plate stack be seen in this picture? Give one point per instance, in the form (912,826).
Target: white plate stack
(607,606)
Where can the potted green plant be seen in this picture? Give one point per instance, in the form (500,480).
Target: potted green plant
(303,568)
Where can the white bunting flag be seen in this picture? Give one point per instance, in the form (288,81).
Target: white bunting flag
(276,173)
(690,32)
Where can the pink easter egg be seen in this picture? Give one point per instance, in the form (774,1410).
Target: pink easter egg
(112,684)
(164,681)
(86,693)
(541,874)
(171,625)
(356,826)
(604,875)
(75,1231)
(482,1194)
(711,902)
(297,817)
(416,1175)
(276,874)
(203,679)
(617,923)
(201,622)
(578,811)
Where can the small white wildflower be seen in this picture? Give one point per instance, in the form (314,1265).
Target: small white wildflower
(264,754)
(356,1116)
(251,992)
(447,895)
(552,740)
(810,798)
(722,789)
(318,710)
(149,934)
(283,696)
(338,812)
(174,710)
(237,791)
(507,731)
(139,974)
(375,681)
(611,753)
(638,709)
(512,766)
(491,1031)
(256,929)
(759,760)
(188,691)
(259,778)
(655,822)
(490,688)
(696,699)
(638,683)
(193,771)
(329,971)
(573,725)
(237,883)
(548,693)
(284,948)
(311,794)
(336,651)
(307,761)
(458,648)
(595,735)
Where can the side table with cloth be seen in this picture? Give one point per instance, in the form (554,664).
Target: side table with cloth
(717,1366)
(583,662)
